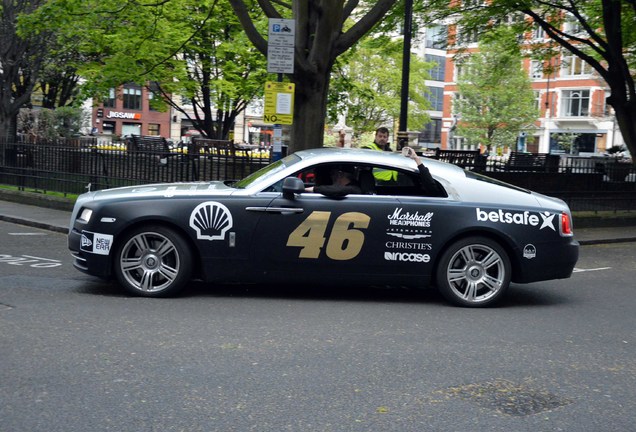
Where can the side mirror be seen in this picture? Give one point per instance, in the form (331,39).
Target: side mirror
(291,186)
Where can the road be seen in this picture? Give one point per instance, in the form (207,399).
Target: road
(78,355)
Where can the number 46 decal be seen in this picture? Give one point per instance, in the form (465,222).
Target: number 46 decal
(345,241)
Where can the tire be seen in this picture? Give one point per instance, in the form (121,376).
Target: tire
(153,261)
(473,272)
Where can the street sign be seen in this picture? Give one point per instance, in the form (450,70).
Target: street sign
(279,103)
(280,45)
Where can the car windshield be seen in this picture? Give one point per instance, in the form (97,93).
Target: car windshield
(266,172)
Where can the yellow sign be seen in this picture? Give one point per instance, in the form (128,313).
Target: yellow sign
(279,103)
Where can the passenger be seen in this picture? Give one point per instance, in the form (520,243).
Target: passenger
(429,185)
(343,182)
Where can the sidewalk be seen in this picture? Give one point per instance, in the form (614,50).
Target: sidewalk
(59,221)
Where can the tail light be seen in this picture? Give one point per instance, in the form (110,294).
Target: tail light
(566,224)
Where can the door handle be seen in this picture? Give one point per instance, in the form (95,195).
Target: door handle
(275,209)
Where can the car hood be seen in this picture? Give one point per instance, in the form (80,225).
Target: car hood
(164,190)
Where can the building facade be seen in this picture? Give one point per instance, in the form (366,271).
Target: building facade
(570,96)
(128,110)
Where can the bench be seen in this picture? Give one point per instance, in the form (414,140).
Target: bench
(211,146)
(471,159)
(534,162)
(149,144)
(156,146)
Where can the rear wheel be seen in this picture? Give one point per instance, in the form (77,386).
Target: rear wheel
(153,261)
(473,272)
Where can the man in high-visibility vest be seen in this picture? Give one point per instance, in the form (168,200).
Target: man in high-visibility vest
(381,143)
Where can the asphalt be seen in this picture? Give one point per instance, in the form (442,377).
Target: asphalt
(45,217)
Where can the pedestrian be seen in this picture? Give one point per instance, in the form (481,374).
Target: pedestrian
(381,140)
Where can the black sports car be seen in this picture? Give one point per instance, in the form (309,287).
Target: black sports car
(470,237)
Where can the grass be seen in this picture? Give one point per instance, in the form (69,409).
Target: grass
(68,196)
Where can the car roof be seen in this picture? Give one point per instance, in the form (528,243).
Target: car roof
(394,159)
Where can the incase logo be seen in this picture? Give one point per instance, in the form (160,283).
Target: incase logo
(409,257)
(525,218)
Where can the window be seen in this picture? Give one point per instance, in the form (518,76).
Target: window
(153,129)
(574,66)
(572,25)
(537,100)
(435,96)
(132,98)
(467,36)
(436,37)
(109,102)
(153,89)
(536,69)
(576,103)
(463,67)
(438,71)
(537,32)
(432,133)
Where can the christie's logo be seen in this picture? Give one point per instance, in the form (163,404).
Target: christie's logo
(519,218)
(410,219)
(407,257)
(409,245)
(123,115)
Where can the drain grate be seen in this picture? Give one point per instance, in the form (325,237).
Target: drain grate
(509,398)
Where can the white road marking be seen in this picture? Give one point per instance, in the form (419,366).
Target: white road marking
(578,270)
(27,234)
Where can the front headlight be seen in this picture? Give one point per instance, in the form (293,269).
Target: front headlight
(86,215)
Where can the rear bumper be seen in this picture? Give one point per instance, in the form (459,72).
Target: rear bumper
(558,263)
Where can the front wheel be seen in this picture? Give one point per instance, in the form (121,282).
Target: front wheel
(153,261)
(473,272)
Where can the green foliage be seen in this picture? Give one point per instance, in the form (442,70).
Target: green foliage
(45,123)
(367,83)
(495,100)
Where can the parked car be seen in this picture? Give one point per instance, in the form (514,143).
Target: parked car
(471,240)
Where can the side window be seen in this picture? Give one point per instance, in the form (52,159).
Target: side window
(406,183)
(395,182)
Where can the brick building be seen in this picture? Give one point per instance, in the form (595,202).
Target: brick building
(570,99)
(127,111)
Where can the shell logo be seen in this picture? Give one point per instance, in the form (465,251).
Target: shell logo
(211,220)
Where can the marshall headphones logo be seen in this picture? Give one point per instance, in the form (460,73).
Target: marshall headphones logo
(410,219)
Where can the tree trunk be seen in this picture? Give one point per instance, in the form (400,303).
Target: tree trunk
(625,112)
(310,106)
(9,129)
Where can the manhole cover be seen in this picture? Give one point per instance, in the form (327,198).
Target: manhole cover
(508,398)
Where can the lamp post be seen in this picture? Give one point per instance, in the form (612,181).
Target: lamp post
(403,135)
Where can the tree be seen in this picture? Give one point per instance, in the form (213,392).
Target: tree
(495,100)
(322,34)
(367,83)
(601,32)
(224,72)
(177,48)
(22,58)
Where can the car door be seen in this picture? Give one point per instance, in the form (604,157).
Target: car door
(317,238)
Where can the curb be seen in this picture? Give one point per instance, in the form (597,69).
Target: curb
(34,224)
(36,199)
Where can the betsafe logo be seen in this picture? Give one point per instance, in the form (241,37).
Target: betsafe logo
(517,218)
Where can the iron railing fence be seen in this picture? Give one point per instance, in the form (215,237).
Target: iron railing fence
(70,166)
